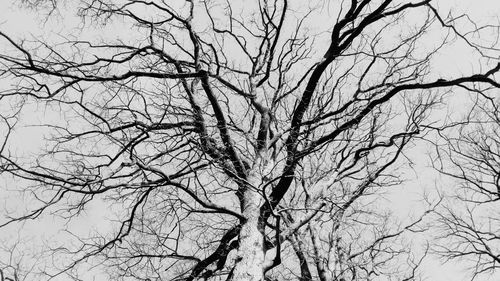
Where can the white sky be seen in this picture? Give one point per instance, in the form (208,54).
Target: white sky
(23,23)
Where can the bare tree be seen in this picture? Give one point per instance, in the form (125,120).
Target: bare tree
(472,149)
(231,141)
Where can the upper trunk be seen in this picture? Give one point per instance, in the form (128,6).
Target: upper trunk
(250,261)
(250,258)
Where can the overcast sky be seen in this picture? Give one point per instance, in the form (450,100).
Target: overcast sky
(23,24)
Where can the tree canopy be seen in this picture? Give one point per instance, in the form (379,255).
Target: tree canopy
(226,140)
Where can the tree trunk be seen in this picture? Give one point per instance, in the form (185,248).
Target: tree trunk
(251,256)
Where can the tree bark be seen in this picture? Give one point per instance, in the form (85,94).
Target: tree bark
(250,258)
(250,261)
